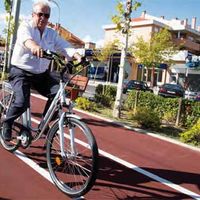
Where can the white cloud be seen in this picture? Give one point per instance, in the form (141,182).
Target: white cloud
(87,38)
(25,17)
(3,17)
(100,43)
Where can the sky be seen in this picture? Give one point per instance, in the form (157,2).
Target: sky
(85,18)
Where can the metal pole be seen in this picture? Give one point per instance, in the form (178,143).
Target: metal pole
(16,11)
(58,9)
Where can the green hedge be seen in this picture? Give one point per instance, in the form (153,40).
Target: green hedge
(166,108)
(192,135)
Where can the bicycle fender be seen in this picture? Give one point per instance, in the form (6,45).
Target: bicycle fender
(68,115)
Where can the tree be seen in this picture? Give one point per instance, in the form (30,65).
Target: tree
(7,5)
(103,55)
(8,9)
(122,21)
(159,49)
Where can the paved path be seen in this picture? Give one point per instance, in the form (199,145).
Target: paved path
(133,166)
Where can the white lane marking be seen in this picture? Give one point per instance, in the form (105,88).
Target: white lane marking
(163,181)
(33,165)
(151,175)
(146,173)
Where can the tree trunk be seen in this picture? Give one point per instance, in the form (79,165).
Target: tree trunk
(118,100)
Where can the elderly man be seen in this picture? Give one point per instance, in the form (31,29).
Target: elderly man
(29,69)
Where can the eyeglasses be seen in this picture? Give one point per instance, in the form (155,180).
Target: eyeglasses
(46,15)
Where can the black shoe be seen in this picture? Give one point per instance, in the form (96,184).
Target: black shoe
(7,132)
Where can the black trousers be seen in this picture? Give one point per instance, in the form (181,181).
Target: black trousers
(22,82)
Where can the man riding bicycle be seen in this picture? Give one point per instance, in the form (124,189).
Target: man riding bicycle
(29,68)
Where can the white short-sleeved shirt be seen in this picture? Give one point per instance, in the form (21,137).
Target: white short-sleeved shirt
(24,59)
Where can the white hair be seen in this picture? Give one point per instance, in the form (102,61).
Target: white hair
(41,2)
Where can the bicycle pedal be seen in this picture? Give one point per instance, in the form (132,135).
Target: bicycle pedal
(25,137)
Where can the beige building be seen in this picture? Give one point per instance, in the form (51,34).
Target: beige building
(184,33)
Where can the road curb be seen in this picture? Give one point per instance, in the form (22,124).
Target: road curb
(134,129)
(142,131)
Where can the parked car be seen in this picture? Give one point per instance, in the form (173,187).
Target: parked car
(171,90)
(96,72)
(197,98)
(136,85)
(191,93)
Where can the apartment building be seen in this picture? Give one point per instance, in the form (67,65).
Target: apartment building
(184,33)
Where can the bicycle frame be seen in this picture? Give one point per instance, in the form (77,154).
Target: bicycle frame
(70,143)
(57,103)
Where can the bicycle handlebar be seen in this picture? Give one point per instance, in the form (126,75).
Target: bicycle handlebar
(50,55)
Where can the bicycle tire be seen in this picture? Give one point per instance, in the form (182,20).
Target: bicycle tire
(73,174)
(15,142)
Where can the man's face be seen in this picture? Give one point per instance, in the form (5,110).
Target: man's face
(41,16)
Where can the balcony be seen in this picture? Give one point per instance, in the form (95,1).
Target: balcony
(188,44)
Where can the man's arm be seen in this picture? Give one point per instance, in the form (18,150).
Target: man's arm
(34,47)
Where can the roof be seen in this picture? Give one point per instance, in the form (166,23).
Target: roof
(67,35)
(137,19)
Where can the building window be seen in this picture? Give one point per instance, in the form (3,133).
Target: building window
(160,74)
(156,29)
(180,35)
(190,38)
(149,75)
(145,75)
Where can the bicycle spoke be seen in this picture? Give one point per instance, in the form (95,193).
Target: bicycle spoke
(74,172)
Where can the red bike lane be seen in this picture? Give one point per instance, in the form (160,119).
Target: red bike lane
(126,158)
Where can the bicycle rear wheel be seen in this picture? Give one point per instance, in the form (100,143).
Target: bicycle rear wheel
(5,100)
(75,172)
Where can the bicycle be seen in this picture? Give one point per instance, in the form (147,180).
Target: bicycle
(71,148)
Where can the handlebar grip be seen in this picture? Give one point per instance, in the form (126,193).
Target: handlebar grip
(49,54)
(84,62)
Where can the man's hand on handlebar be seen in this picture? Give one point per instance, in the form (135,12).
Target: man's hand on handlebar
(52,55)
(37,51)
(34,48)
(84,62)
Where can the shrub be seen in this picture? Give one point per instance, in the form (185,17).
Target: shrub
(99,89)
(169,116)
(147,118)
(166,108)
(191,112)
(105,100)
(192,135)
(105,94)
(84,104)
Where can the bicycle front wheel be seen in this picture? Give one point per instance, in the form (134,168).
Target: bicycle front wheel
(74,173)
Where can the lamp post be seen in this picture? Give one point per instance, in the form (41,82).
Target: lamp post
(53,1)
(125,31)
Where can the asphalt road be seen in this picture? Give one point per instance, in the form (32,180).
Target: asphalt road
(133,166)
